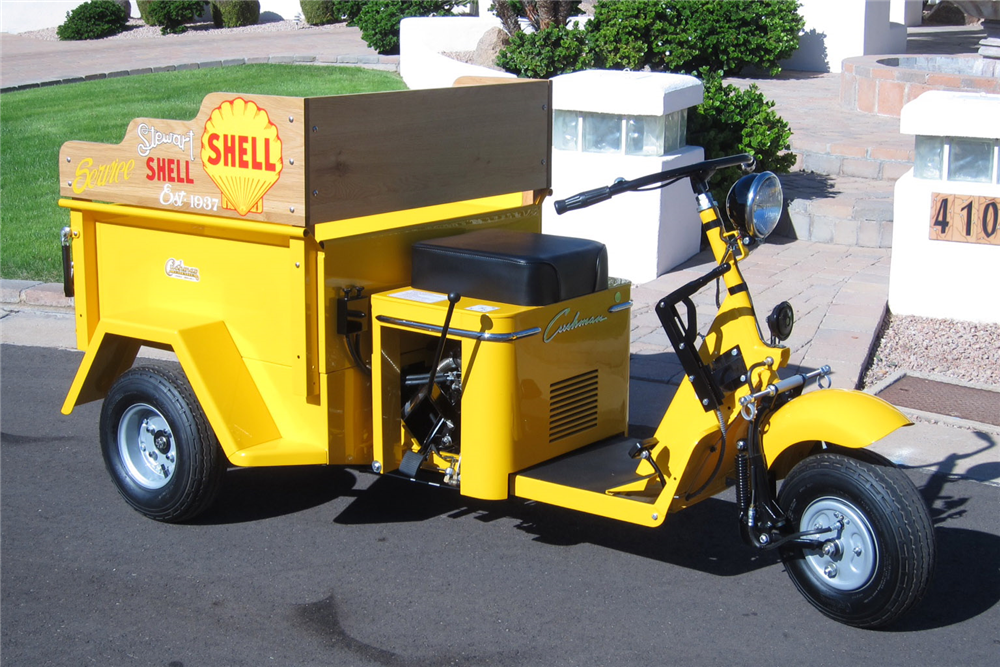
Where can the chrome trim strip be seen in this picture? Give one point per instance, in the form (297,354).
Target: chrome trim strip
(461,333)
(620,306)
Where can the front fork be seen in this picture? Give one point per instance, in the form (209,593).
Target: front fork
(762,522)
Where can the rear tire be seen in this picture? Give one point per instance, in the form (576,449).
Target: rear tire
(158,447)
(876,566)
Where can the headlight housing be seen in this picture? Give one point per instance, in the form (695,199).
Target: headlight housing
(754,204)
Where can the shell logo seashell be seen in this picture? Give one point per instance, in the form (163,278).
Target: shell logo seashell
(241,153)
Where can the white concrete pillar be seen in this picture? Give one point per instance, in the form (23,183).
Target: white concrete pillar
(946,213)
(608,124)
(844,29)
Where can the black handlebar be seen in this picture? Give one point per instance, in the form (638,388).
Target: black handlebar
(700,173)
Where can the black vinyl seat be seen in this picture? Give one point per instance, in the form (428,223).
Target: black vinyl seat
(514,267)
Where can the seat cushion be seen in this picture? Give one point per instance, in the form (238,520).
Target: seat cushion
(521,268)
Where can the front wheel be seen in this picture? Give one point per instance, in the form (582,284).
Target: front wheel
(157,444)
(875,561)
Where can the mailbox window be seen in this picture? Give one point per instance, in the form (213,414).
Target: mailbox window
(930,155)
(970,160)
(610,133)
(566,130)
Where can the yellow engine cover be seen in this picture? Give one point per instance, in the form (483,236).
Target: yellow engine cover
(537,382)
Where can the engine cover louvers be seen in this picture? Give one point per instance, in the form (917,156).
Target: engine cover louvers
(572,405)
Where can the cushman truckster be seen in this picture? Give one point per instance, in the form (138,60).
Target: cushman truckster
(362,281)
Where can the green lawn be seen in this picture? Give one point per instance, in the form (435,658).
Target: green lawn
(35,123)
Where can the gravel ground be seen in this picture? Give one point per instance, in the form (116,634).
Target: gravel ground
(960,350)
(138,30)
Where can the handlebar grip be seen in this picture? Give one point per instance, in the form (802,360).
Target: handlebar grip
(583,200)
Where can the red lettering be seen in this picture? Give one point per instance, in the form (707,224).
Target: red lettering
(268,165)
(243,164)
(171,173)
(213,145)
(161,169)
(187,173)
(228,150)
(151,176)
(254,162)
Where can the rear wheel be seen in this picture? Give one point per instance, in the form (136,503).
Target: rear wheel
(157,444)
(875,561)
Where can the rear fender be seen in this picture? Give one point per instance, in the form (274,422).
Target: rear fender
(210,359)
(850,419)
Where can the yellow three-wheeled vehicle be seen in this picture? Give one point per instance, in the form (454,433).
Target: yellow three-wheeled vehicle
(361,280)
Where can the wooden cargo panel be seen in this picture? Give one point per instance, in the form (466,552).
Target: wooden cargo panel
(305,161)
(242,156)
(370,154)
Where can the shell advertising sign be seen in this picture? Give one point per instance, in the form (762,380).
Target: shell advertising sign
(242,156)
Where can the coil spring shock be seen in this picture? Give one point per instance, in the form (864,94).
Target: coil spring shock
(742,477)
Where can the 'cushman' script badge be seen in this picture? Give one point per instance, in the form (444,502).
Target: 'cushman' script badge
(554,328)
(175,269)
(241,153)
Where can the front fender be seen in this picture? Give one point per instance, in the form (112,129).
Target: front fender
(837,416)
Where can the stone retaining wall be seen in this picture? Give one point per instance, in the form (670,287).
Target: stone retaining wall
(883,84)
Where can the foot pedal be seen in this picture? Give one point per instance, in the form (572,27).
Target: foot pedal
(411,463)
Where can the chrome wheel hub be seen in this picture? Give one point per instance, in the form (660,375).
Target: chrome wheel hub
(147,447)
(848,556)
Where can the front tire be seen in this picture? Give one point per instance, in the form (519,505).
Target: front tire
(158,447)
(876,560)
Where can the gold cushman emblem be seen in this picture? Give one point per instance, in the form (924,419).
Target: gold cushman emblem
(241,153)
(560,324)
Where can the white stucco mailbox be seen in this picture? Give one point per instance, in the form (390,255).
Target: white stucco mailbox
(609,124)
(946,229)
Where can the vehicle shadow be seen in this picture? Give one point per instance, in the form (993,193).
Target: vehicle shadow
(965,583)
(702,538)
(253,494)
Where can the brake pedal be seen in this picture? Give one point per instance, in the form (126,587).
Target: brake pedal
(411,463)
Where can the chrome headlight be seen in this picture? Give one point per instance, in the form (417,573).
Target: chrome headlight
(754,204)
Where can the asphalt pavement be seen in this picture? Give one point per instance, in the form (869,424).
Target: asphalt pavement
(329,566)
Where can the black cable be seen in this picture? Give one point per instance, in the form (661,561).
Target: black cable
(353,346)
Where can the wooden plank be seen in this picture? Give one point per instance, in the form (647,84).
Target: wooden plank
(242,156)
(382,152)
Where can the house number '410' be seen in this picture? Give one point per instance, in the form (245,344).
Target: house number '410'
(965,218)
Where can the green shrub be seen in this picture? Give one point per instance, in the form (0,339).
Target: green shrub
(235,13)
(171,15)
(143,7)
(707,38)
(322,12)
(93,20)
(379,20)
(691,36)
(732,120)
(544,54)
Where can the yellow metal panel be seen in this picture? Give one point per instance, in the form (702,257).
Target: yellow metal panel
(249,286)
(416,216)
(837,416)
(297,419)
(188,223)
(107,356)
(614,507)
(86,299)
(507,413)
(280,453)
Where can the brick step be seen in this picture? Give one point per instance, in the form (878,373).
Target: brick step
(846,210)
(852,160)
